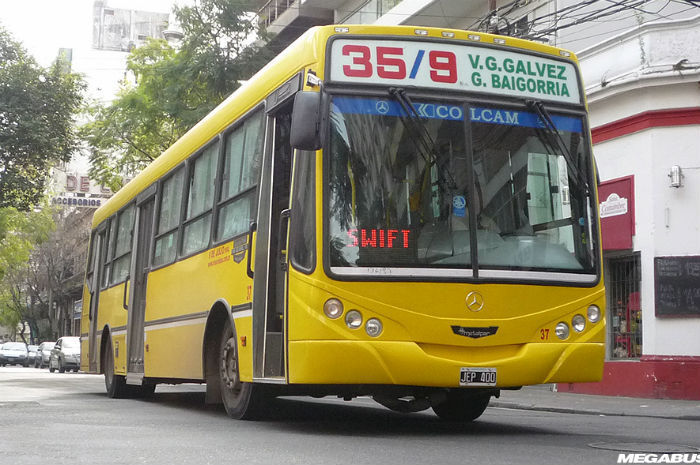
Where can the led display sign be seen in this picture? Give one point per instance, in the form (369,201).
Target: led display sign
(453,66)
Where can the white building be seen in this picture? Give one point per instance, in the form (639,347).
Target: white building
(641,67)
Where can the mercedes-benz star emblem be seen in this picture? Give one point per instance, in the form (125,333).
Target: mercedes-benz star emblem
(382,107)
(475,301)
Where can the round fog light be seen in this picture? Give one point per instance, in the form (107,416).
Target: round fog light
(562,330)
(593,313)
(578,322)
(353,319)
(333,308)
(373,327)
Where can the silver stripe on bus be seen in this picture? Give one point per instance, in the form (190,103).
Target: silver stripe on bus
(243,314)
(463,273)
(537,275)
(403,272)
(174,324)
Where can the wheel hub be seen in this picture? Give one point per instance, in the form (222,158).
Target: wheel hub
(229,365)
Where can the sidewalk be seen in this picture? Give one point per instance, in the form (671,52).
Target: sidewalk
(544,399)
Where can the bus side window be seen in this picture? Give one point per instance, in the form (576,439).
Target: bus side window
(92,255)
(241,170)
(122,245)
(303,224)
(170,204)
(107,252)
(201,181)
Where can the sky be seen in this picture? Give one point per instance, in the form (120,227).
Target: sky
(44,26)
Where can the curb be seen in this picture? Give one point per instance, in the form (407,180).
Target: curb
(541,408)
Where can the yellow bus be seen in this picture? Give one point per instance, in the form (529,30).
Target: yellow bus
(398,212)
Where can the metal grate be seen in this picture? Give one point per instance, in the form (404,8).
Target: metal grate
(624,304)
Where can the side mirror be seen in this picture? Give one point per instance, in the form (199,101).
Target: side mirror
(306,121)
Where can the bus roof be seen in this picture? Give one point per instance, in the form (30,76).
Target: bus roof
(306,50)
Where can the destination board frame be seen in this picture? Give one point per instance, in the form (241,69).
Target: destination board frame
(410,68)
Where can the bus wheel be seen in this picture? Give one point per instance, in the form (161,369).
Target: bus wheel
(242,401)
(462,406)
(115,384)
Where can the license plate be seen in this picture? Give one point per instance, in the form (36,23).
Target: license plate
(476,376)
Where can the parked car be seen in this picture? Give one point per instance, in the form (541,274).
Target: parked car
(31,354)
(14,353)
(65,355)
(43,353)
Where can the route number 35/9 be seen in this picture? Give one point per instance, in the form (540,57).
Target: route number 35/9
(389,63)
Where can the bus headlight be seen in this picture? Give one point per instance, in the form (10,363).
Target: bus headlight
(333,308)
(593,313)
(562,330)
(578,322)
(373,327)
(353,319)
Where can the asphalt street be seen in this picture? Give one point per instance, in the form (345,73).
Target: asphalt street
(68,419)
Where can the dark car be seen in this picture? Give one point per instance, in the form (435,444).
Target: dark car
(14,353)
(43,354)
(65,355)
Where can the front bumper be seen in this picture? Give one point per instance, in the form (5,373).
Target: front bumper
(71,362)
(413,364)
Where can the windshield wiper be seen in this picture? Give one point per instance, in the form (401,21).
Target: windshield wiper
(419,134)
(552,133)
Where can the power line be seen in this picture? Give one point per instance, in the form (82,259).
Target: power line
(543,26)
(587,35)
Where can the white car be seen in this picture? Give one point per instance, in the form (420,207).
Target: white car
(43,353)
(14,353)
(65,355)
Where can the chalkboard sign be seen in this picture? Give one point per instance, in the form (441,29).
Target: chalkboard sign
(677,286)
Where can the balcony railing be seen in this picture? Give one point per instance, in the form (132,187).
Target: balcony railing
(272,10)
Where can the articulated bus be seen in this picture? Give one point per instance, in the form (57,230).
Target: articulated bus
(397,212)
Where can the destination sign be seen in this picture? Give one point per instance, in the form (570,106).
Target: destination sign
(453,66)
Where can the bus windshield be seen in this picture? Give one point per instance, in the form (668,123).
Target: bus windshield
(435,186)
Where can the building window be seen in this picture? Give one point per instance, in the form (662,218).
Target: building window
(123,29)
(370,11)
(624,304)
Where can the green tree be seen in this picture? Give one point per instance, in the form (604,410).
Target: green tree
(175,87)
(37,110)
(42,259)
(20,233)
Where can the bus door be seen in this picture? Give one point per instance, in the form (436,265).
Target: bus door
(270,277)
(140,266)
(95,280)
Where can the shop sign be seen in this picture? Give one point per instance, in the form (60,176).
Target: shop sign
(82,202)
(614,205)
(617,213)
(82,183)
(77,309)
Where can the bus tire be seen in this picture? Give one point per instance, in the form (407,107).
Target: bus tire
(242,401)
(115,384)
(462,406)
(145,391)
